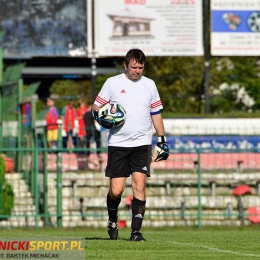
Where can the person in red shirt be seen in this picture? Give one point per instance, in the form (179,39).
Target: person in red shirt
(26,111)
(81,110)
(52,126)
(68,116)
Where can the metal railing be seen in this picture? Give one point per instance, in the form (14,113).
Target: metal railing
(61,187)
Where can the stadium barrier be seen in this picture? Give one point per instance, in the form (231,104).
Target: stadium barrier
(61,187)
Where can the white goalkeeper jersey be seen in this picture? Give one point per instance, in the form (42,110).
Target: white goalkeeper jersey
(140,100)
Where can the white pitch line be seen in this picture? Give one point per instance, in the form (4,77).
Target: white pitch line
(213,249)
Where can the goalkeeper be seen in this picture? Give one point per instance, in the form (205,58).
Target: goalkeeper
(129,147)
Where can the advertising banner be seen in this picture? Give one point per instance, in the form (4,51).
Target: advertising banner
(43,28)
(235,27)
(218,144)
(159,28)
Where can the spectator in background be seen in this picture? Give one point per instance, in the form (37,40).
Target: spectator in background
(68,115)
(26,111)
(91,130)
(52,117)
(27,115)
(81,110)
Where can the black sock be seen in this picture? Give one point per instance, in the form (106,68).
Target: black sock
(112,208)
(138,210)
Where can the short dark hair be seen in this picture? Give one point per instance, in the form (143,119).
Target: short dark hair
(135,54)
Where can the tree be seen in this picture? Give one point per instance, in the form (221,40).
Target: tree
(76,89)
(235,84)
(180,83)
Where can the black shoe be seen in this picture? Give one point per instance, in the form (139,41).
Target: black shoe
(112,230)
(137,236)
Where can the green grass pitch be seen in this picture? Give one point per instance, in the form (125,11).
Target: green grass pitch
(179,243)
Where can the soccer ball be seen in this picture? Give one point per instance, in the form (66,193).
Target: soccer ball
(111,115)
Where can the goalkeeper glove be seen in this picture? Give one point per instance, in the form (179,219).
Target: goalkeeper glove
(102,120)
(161,150)
(95,115)
(107,123)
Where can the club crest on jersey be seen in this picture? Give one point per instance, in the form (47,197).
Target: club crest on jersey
(122,91)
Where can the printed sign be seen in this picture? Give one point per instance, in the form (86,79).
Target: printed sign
(217,144)
(235,27)
(159,28)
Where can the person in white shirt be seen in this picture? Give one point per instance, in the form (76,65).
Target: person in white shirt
(130,146)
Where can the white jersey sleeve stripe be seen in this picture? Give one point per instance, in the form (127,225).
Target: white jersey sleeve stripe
(101,101)
(156,104)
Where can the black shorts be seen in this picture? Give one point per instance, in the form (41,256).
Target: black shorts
(122,161)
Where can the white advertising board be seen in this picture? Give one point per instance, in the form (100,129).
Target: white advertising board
(235,27)
(212,126)
(159,28)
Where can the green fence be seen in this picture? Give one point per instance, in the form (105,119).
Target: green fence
(61,187)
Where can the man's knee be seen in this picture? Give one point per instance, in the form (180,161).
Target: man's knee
(117,187)
(115,193)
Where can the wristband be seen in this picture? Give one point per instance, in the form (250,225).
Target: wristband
(162,139)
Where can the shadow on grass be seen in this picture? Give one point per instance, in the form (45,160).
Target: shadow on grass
(104,239)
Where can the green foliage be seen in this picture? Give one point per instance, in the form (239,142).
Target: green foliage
(7,195)
(2,170)
(40,107)
(6,192)
(180,81)
(9,102)
(242,71)
(75,89)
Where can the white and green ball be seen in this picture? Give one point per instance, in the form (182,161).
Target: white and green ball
(114,114)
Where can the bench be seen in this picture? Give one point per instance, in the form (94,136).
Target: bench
(239,166)
(210,183)
(168,184)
